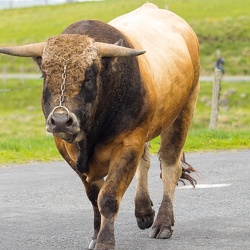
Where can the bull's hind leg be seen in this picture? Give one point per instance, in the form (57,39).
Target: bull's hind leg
(143,205)
(170,154)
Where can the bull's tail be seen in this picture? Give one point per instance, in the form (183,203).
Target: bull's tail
(186,170)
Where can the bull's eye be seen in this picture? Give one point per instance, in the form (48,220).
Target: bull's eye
(88,78)
(89,88)
(43,75)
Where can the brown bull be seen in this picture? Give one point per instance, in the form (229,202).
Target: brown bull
(104,104)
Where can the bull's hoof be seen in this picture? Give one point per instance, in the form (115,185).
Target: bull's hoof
(146,220)
(92,244)
(101,246)
(161,233)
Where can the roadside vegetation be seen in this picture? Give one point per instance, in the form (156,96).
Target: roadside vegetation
(222,25)
(24,139)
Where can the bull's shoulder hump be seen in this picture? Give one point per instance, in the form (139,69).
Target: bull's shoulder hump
(169,41)
(98,30)
(147,16)
(146,26)
(164,35)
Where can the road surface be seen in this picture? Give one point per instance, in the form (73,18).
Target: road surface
(43,206)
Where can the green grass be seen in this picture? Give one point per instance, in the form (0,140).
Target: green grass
(223,25)
(233,128)
(22,134)
(16,150)
(219,140)
(234,106)
(209,140)
(23,137)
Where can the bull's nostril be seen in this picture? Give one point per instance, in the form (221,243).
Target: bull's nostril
(52,121)
(61,121)
(69,122)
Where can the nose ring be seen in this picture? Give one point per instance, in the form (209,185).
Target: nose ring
(61,107)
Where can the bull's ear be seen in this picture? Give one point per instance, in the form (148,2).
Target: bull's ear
(113,50)
(29,50)
(119,42)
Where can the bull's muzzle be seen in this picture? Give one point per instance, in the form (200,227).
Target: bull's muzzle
(63,124)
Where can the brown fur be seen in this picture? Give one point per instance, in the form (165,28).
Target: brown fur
(77,52)
(173,92)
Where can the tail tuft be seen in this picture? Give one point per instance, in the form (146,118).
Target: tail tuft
(186,170)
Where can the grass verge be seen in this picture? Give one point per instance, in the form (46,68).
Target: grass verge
(23,137)
(19,150)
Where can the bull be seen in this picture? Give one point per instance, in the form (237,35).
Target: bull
(104,99)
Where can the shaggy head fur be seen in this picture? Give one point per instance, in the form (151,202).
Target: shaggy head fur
(78,53)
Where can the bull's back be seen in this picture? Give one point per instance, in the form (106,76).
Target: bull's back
(168,40)
(170,66)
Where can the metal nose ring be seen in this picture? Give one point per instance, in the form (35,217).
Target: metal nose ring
(60,107)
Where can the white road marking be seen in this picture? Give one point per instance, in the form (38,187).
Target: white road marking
(204,186)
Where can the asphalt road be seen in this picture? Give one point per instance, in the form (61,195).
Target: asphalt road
(44,206)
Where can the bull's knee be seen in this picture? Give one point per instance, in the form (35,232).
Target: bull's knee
(108,206)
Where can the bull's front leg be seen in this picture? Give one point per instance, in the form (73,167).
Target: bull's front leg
(92,191)
(122,169)
(70,154)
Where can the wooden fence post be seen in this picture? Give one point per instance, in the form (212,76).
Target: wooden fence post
(215,99)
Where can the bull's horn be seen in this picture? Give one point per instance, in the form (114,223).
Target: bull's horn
(112,50)
(29,50)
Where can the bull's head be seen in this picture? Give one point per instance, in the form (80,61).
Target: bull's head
(70,65)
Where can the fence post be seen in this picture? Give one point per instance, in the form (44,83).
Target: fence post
(215,99)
